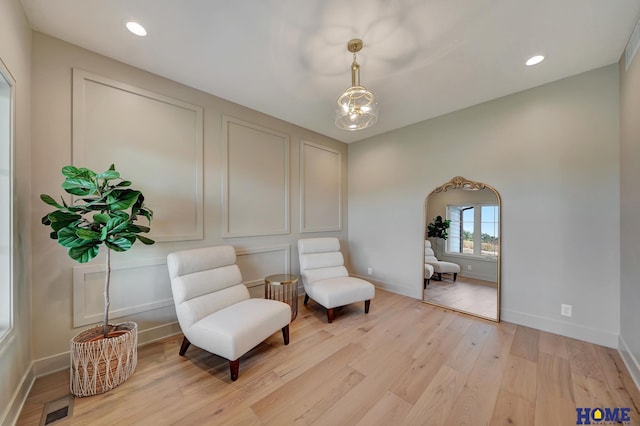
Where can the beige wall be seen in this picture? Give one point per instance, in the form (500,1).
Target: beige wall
(552,153)
(629,208)
(15,354)
(258,158)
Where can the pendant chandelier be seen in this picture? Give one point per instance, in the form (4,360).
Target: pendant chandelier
(357,107)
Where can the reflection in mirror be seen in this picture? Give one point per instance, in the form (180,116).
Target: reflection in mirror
(462,248)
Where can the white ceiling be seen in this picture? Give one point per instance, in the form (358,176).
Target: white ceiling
(288,58)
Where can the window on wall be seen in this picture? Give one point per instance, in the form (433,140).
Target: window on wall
(6,201)
(474,229)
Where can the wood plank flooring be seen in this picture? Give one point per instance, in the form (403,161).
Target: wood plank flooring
(465,294)
(405,363)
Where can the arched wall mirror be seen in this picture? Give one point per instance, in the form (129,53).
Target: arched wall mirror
(462,265)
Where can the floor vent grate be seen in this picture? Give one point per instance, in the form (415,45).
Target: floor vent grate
(57,410)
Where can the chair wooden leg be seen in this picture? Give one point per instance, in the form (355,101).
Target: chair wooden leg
(285,334)
(455,275)
(234,366)
(367,303)
(330,315)
(184,346)
(306,299)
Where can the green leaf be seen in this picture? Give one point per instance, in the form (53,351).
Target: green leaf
(70,171)
(116,224)
(79,186)
(83,254)
(101,218)
(138,228)
(49,200)
(145,240)
(67,237)
(108,175)
(74,172)
(60,218)
(119,244)
(124,199)
(124,183)
(87,234)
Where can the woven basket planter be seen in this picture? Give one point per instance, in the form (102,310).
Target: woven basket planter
(98,364)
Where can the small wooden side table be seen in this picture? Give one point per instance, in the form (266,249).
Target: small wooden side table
(283,287)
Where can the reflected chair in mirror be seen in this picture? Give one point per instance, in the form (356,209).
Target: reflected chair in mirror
(439,267)
(428,272)
(214,308)
(326,279)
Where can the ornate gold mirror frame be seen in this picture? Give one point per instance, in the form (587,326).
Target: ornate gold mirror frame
(463,184)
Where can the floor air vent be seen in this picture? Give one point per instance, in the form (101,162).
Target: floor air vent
(57,410)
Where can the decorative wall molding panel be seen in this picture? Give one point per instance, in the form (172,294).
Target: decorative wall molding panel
(257,263)
(135,287)
(255,180)
(320,188)
(117,123)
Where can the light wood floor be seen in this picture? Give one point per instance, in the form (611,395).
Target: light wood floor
(404,363)
(465,294)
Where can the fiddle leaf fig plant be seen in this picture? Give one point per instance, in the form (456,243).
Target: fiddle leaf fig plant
(105,213)
(438,228)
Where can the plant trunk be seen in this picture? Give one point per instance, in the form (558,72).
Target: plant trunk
(107,303)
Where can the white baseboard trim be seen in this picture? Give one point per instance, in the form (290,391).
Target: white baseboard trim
(393,288)
(12,412)
(576,331)
(51,364)
(630,361)
(150,335)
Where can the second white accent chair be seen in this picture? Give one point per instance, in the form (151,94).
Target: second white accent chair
(214,308)
(326,279)
(439,267)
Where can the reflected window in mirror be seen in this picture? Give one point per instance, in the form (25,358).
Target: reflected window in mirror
(474,229)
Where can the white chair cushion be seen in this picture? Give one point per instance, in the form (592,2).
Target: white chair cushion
(318,245)
(223,334)
(200,259)
(445,267)
(193,310)
(340,291)
(428,271)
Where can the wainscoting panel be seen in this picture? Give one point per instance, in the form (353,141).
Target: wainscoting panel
(135,287)
(121,124)
(255,180)
(257,263)
(320,188)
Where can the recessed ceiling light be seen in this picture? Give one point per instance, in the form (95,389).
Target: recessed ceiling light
(136,28)
(534,60)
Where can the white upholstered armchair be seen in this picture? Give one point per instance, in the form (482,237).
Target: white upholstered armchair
(214,308)
(437,266)
(325,278)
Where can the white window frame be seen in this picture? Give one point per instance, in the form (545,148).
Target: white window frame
(477,231)
(7,283)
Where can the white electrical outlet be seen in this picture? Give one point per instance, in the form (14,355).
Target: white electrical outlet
(468,267)
(369,271)
(565,310)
